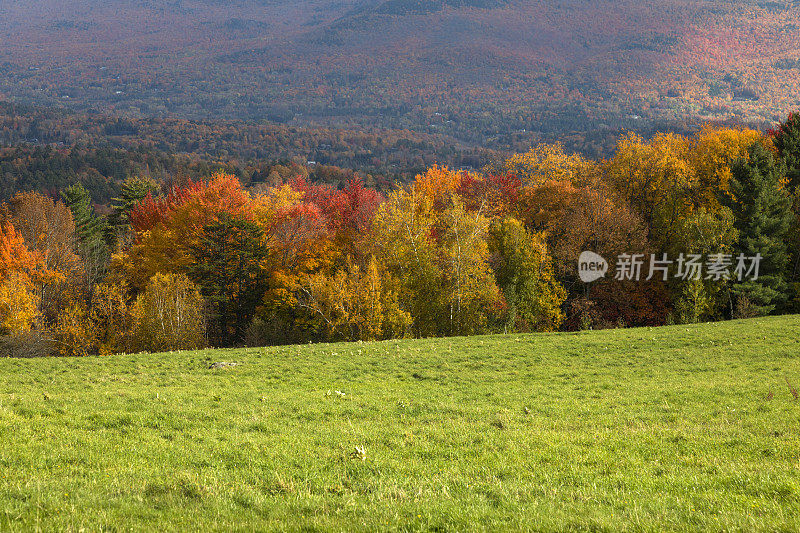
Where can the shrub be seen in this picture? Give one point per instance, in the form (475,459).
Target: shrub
(260,333)
(27,344)
(746,309)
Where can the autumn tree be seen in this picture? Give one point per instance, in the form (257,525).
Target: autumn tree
(494,195)
(470,289)
(168,227)
(346,213)
(169,315)
(711,153)
(546,163)
(48,228)
(440,258)
(406,248)
(355,304)
(16,257)
(657,179)
(707,228)
(111,316)
(298,243)
(524,273)
(74,332)
(21,272)
(19,305)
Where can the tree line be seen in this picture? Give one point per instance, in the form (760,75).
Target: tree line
(46,149)
(212,262)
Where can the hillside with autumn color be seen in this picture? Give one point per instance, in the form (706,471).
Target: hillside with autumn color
(399,265)
(703,228)
(499,73)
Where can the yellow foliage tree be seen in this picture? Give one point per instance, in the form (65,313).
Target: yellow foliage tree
(437,250)
(712,152)
(74,332)
(356,304)
(169,315)
(19,306)
(267,206)
(548,162)
(471,288)
(657,179)
(111,317)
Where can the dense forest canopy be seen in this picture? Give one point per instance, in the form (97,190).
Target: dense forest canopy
(46,149)
(702,227)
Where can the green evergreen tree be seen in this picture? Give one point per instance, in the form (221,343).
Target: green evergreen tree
(132,191)
(88,226)
(228,267)
(762,216)
(90,229)
(787,140)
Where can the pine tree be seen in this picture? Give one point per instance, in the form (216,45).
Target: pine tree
(228,261)
(88,226)
(787,140)
(762,216)
(132,192)
(90,230)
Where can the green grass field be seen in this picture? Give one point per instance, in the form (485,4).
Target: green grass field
(677,428)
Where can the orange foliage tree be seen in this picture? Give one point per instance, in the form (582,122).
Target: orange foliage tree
(21,271)
(167,228)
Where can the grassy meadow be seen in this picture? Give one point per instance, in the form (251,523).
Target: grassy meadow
(677,428)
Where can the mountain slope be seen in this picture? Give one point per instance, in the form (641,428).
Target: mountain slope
(495,72)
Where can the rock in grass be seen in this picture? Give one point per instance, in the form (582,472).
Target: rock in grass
(359,453)
(222,364)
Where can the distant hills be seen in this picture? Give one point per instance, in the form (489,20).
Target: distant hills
(495,73)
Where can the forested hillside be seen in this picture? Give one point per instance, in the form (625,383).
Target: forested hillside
(704,227)
(45,149)
(501,74)
(183,173)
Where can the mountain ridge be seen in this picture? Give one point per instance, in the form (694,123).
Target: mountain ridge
(493,72)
